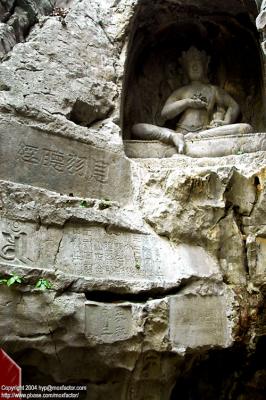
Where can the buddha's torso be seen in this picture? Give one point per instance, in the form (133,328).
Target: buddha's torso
(192,119)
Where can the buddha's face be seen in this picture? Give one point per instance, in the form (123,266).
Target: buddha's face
(195,69)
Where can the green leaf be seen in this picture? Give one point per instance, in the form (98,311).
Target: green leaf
(137,265)
(11,281)
(38,284)
(83,203)
(43,284)
(14,279)
(3,281)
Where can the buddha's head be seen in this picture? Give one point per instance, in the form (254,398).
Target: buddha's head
(195,64)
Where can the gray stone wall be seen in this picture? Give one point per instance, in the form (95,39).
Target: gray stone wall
(157,265)
(17,18)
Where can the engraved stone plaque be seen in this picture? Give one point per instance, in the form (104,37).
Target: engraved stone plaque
(198,321)
(62,164)
(109,322)
(94,253)
(25,244)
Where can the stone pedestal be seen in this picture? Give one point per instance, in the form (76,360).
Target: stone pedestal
(199,146)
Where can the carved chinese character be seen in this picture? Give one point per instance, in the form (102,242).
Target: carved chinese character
(54,159)
(29,153)
(106,323)
(99,255)
(76,165)
(58,161)
(100,171)
(119,255)
(46,157)
(137,249)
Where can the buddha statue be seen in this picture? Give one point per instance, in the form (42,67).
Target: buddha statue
(199,106)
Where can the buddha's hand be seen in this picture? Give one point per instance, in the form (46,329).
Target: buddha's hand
(178,141)
(197,103)
(217,122)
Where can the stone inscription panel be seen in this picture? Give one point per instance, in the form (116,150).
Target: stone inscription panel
(109,323)
(25,244)
(96,253)
(86,252)
(198,321)
(64,165)
(92,252)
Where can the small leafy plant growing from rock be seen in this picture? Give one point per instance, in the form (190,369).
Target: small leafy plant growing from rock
(106,203)
(12,280)
(137,265)
(43,284)
(87,203)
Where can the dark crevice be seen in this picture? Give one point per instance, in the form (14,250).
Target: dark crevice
(239,221)
(257,185)
(85,114)
(237,213)
(227,374)
(140,297)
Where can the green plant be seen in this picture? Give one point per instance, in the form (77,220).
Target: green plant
(14,279)
(11,280)
(43,284)
(104,204)
(137,265)
(87,203)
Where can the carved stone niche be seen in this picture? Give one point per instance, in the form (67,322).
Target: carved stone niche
(160,32)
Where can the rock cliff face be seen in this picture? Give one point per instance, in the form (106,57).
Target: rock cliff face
(17,18)
(157,264)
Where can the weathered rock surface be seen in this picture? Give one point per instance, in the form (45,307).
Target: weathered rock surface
(17,18)
(157,265)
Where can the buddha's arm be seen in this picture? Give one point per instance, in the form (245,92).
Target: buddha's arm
(177,103)
(231,106)
(174,108)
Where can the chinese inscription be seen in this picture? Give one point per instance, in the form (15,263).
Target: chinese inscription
(64,162)
(197,321)
(87,251)
(109,322)
(95,253)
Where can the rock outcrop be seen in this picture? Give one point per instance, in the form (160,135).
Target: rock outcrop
(157,265)
(17,18)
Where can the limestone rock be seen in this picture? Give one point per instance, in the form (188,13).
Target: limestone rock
(17,19)
(157,265)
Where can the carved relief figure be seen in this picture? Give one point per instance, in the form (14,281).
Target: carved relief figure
(199,106)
